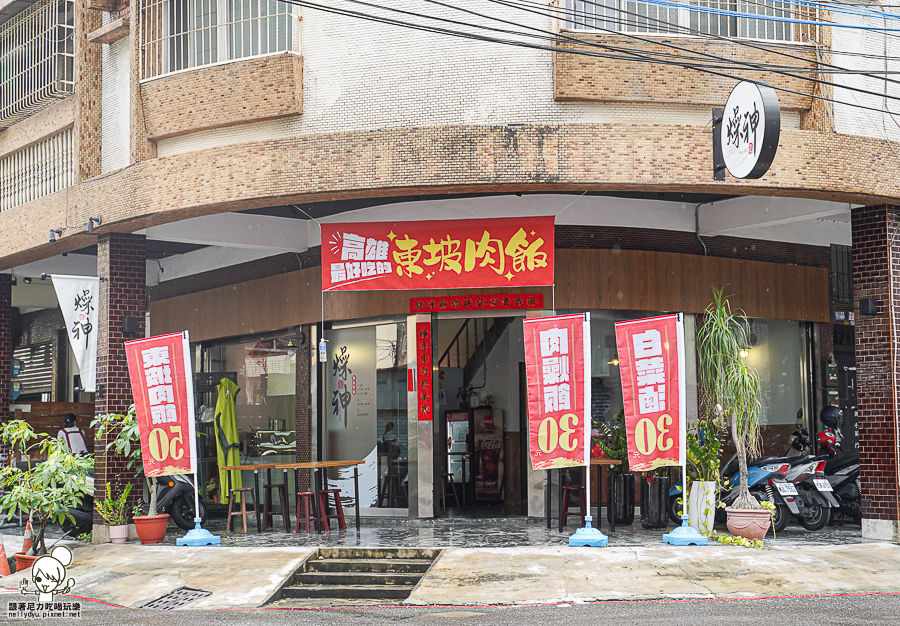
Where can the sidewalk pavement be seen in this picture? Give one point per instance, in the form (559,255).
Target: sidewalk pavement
(132,575)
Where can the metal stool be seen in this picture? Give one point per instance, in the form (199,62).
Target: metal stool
(269,513)
(572,491)
(246,492)
(307,498)
(448,478)
(339,510)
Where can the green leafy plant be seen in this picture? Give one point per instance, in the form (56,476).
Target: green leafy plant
(126,441)
(85,537)
(731,540)
(46,491)
(613,440)
(704,446)
(730,384)
(112,509)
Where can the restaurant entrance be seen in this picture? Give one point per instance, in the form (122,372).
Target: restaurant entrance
(480,449)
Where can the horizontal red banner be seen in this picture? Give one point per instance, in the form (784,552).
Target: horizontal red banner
(502,252)
(506,301)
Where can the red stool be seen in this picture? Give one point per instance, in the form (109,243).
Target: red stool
(339,510)
(573,491)
(307,498)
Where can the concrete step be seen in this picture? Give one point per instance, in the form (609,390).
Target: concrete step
(362,579)
(385,592)
(419,566)
(379,553)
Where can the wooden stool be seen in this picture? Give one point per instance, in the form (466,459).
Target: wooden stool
(573,491)
(268,513)
(245,493)
(392,489)
(307,498)
(339,510)
(448,478)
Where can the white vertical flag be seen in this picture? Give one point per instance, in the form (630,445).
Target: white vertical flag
(78,299)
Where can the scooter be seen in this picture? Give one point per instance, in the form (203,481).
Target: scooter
(83,515)
(814,500)
(842,469)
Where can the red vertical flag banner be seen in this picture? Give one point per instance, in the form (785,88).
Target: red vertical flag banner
(558,372)
(424,391)
(651,361)
(163,387)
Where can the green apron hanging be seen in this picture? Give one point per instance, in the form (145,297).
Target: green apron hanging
(228,447)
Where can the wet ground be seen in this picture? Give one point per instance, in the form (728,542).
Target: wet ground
(466,532)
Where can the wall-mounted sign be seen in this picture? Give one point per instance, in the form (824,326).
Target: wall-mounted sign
(506,301)
(78,297)
(840,316)
(750,129)
(425,393)
(15,367)
(503,252)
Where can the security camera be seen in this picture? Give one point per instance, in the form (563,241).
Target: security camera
(44,275)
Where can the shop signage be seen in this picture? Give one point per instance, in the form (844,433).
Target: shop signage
(651,362)
(558,365)
(78,296)
(424,393)
(750,128)
(163,387)
(502,252)
(498,302)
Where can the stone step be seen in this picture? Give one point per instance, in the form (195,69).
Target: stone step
(379,553)
(384,592)
(419,566)
(356,578)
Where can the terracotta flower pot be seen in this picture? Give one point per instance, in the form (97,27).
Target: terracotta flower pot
(24,562)
(118,534)
(151,528)
(748,523)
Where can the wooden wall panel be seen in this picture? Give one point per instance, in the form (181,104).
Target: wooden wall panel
(585,279)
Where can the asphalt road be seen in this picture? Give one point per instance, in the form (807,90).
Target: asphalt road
(843,610)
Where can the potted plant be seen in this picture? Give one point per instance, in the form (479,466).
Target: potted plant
(732,387)
(613,442)
(45,491)
(150,528)
(112,510)
(704,442)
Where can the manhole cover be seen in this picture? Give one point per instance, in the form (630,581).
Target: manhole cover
(176,598)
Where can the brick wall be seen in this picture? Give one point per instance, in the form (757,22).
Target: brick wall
(121,265)
(223,95)
(87,94)
(303,407)
(37,127)
(873,227)
(6,341)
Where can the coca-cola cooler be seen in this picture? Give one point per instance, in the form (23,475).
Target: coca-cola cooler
(487,449)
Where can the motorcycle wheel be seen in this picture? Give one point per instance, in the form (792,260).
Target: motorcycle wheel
(182,512)
(675,508)
(816,518)
(781,518)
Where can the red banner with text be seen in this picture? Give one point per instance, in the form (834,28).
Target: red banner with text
(424,390)
(502,252)
(163,387)
(651,363)
(558,372)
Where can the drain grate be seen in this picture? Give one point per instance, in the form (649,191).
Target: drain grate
(177,598)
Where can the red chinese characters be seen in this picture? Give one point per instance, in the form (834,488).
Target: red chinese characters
(503,252)
(164,403)
(651,360)
(424,391)
(557,362)
(493,302)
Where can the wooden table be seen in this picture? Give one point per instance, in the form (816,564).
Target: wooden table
(255,469)
(549,496)
(317,466)
(465,481)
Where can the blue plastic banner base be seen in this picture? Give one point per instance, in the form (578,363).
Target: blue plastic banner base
(588,537)
(685,535)
(199,537)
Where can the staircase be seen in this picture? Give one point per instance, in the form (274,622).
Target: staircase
(352,573)
(472,344)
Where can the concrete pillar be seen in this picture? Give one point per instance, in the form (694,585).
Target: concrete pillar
(122,268)
(6,342)
(876,269)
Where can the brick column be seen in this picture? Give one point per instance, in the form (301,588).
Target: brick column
(6,342)
(122,268)
(303,407)
(876,269)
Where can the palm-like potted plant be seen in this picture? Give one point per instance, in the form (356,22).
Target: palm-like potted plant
(113,511)
(126,441)
(613,442)
(45,491)
(732,388)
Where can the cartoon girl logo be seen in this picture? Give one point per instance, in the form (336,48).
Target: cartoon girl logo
(49,575)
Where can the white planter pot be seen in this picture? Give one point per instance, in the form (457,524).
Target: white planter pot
(118,534)
(702,505)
